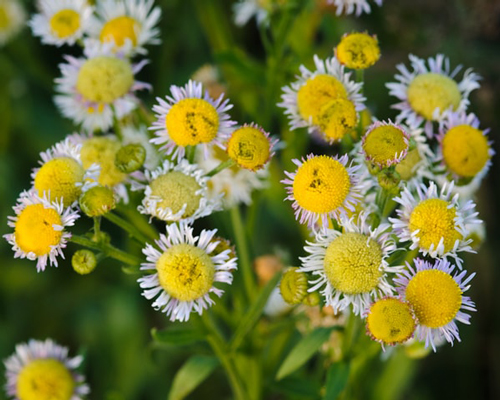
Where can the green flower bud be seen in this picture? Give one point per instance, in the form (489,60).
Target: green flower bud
(97,201)
(84,261)
(130,158)
(293,286)
(389,179)
(312,299)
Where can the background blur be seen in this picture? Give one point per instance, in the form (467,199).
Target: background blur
(103,314)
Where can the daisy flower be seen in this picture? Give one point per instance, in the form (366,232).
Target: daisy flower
(324,100)
(353,6)
(39,229)
(435,223)
(61,21)
(128,24)
(42,370)
(322,187)
(350,267)
(185,271)
(190,117)
(177,192)
(357,50)
(429,90)
(12,19)
(436,297)
(93,89)
(62,176)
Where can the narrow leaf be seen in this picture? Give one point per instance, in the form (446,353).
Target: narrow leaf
(177,335)
(191,374)
(336,380)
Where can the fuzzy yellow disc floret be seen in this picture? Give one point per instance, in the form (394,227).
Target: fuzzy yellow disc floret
(249,147)
(45,379)
(390,321)
(358,51)
(65,23)
(119,29)
(186,272)
(407,167)
(384,144)
(435,297)
(336,118)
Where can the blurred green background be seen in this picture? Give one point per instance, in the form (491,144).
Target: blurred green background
(103,314)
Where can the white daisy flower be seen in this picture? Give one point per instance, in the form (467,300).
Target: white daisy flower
(436,298)
(186,270)
(12,19)
(43,370)
(61,21)
(350,267)
(129,24)
(140,135)
(244,10)
(189,118)
(39,229)
(353,6)
(325,100)
(177,192)
(428,91)
(435,223)
(93,89)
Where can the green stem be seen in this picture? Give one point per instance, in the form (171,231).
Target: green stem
(128,227)
(107,249)
(97,227)
(223,165)
(190,153)
(138,220)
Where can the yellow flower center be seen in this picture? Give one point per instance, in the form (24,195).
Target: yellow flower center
(249,147)
(384,143)
(186,272)
(435,297)
(102,151)
(192,121)
(321,184)
(176,189)
(358,51)
(45,379)
(59,176)
(119,29)
(430,91)
(316,92)
(391,321)
(465,150)
(5,21)
(435,219)
(65,23)
(336,118)
(34,231)
(352,263)
(104,79)
(407,167)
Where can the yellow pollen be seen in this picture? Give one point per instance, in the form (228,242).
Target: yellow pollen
(186,272)
(465,150)
(435,297)
(390,321)
(192,121)
(249,147)
(45,379)
(407,167)
(176,189)
(65,23)
(119,29)
(384,143)
(102,151)
(60,176)
(430,91)
(352,263)
(435,219)
(336,118)
(104,79)
(358,51)
(321,184)
(34,231)
(316,92)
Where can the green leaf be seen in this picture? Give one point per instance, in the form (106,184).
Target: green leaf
(177,335)
(307,388)
(191,374)
(304,350)
(336,380)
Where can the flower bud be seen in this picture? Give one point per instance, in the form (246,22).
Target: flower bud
(389,179)
(311,300)
(293,286)
(130,158)
(84,261)
(97,201)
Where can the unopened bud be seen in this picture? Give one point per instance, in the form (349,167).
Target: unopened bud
(97,201)
(223,245)
(293,286)
(84,261)
(130,158)
(312,299)
(389,179)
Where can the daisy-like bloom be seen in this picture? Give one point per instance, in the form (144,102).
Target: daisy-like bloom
(350,267)
(390,321)
(358,50)
(177,192)
(39,229)
(251,147)
(322,187)
(12,19)
(244,10)
(42,370)
(186,270)
(353,6)
(325,100)
(385,144)
(94,88)
(428,91)
(436,223)
(61,21)
(128,24)
(62,176)
(436,297)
